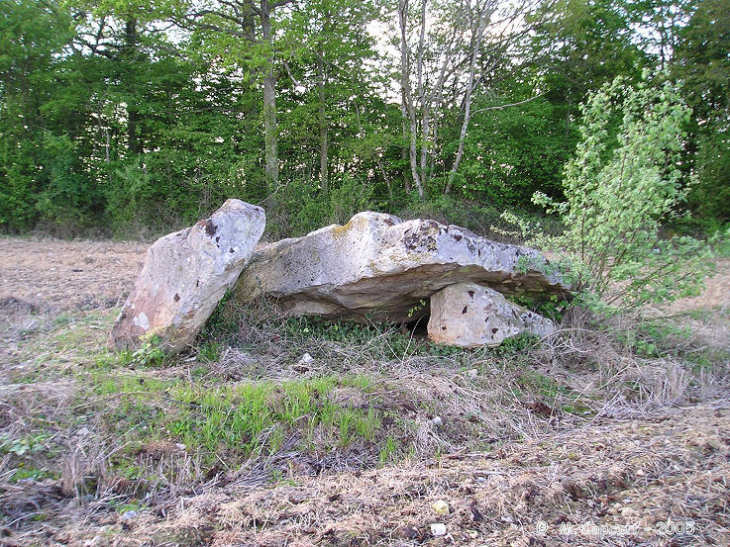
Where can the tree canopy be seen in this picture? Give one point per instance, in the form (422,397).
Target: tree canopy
(120,116)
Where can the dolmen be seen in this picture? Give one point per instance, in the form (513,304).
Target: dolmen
(375,268)
(378,267)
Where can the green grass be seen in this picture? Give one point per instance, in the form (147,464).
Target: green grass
(29,444)
(234,418)
(30,472)
(547,388)
(373,342)
(25,456)
(210,351)
(656,338)
(383,341)
(389,451)
(670,338)
(233,421)
(57,344)
(130,401)
(122,508)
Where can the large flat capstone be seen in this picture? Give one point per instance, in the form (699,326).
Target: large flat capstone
(381,267)
(470,315)
(185,275)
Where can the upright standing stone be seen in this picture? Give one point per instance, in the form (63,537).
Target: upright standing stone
(185,275)
(469,315)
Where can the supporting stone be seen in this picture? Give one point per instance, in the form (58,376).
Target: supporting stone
(185,275)
(470,315)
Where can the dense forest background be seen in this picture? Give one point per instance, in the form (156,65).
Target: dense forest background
(130,117)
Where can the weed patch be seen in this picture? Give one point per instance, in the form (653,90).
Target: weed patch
(233,423)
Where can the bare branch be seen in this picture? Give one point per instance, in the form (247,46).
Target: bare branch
(291,76)
(502,106)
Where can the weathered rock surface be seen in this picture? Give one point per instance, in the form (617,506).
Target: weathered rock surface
(185,275)
(469,315)
(380,266)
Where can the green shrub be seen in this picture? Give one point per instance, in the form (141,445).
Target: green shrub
(620,187)
(69,199)
(128,197)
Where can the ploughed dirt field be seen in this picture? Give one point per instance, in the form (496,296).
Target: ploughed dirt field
(68,275)
(615,436)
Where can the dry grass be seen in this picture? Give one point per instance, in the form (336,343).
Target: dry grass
(626,428)
(641,481)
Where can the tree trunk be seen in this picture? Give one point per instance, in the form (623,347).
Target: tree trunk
(404,147)
(431,102)
(134,144)
(323,126)
(405,86)
(476,43)
(421,93)
(270,128)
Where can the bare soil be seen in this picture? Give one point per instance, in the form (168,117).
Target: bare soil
(68,275)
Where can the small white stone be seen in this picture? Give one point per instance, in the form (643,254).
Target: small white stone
(305,359)
(129,515)
(437,421)
(438,529)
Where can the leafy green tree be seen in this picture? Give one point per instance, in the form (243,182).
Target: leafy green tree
(325,45)
(702,63)
(657,26)
(579,45)
(576,47)
(129,113)
(512,149)
(243,34)
(619,190)
(41,172)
